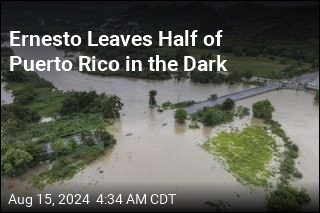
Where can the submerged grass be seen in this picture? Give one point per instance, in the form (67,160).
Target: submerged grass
(246,153)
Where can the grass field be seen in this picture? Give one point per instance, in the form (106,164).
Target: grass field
(246,153)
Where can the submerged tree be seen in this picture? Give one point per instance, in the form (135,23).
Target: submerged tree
(14,161)
(228,104)
(152,97)
(263,109)
(181,115)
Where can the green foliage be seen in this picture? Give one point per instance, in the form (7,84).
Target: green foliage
(287,199)
(228,104)
(111,106)
(91,102)
(239,151)
(24,95)
(214,115)
(14,76)
(67,166)
(287,166)
(61,146)
(213,97)
(152,97)
(263,109)
(169,105)
(194,125)
(19,113)
(23,138)
(105,137)
(180,115)
(63,168)
(14,161)
(316,97)
(242,111)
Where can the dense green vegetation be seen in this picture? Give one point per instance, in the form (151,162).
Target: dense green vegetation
(169,105)
(246,153)
(91,102)
(263,109)
(218,114)
(287,199)
(25,141)
(242,111)
(316,97)
(180,115)
(228,104)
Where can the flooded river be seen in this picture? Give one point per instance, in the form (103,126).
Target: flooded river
(153,150)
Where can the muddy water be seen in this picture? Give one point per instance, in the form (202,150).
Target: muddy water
(153,150)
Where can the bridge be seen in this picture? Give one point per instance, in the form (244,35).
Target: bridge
(295,82)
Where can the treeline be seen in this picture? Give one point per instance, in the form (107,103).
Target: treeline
(277,33)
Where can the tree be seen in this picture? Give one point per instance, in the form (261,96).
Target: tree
(213,97)
(263,109)
(91,102)
(111,107)
(25,95)
(10,127)
(215,116)
(287,199)
(208,119)
(14,76)
(228,104)
(14,161)
(20,113)
(152,97)
(105,137)
(180,115)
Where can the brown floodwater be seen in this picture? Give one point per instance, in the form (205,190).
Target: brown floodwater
(154,151)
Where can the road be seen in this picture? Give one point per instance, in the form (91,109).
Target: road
(272,85)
